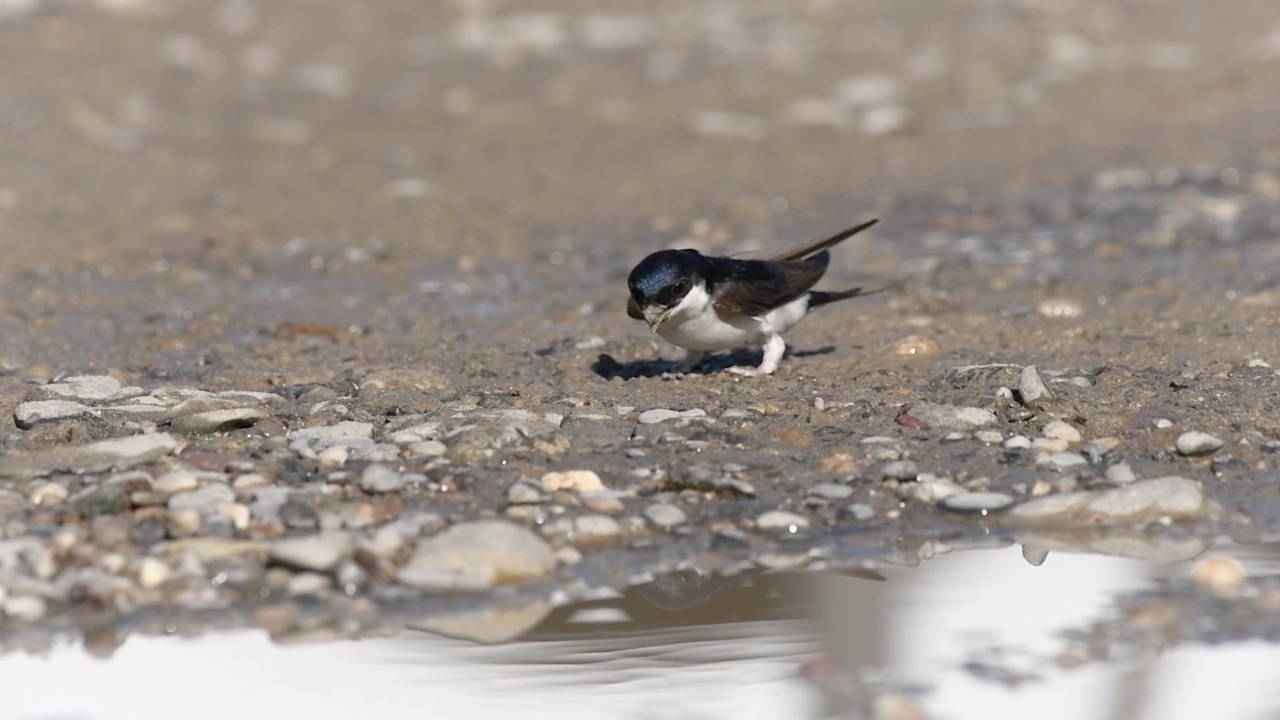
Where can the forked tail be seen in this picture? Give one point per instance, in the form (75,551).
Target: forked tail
(817,298)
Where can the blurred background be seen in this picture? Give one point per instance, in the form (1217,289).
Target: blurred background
(238,156)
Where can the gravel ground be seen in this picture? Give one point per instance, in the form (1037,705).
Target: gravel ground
(313,313)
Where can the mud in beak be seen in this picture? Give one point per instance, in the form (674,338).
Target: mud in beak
(655,315)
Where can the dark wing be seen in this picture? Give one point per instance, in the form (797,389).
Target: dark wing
(801,253)
(754,287)
(633,310)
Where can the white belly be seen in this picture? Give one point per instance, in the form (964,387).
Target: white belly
(701,328)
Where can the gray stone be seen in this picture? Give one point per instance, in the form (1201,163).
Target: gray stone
(24,608)
(1031,385)
(953,417)
(205,500)
(831,491)
(115,454)
(1142,501)
(308,583)
(862,511)
(382,479)
(1121,473)
(1063,461)
(29,414)
(318,553)
(1195,442)
(665,515)
(979,503)
(903,470)
(596,529)
(477,556)
(348,433)
(216,421)
(1060,430)
(782,521)
(573,480)
(657,415)
(524,492)
(91,388)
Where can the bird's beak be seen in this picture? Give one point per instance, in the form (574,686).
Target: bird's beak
(655,315)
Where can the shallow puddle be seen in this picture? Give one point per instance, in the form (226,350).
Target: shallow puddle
(968,634)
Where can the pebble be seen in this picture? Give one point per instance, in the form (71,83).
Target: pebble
(862,511)
(1062,461)
(1061,430)
(477,556)
(657,415)
(1031,385)
(334,456)
(930,489)
(1050,445)
(318,553)
(24,608)
(382,479)
(904,470)
(781,520)
(343,433)
(603,502)
(1220,575)
(152,572)
(665,515)
(524,492)
(427,448)
(596,529)
(573,480)
(205,500)
(1195,442)
(982,503)
(952,417)
(1143,500)
(1018,442)
(175,482)
(119,453)
(216,421)
(92,388)
(308,583)
(991,437)
(29,414)
(1121,473)
(47,493)
(831,491)
(183,523)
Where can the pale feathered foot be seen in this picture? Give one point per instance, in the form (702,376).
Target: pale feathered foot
(774,348)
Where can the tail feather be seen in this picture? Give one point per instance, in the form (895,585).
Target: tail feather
(818,298)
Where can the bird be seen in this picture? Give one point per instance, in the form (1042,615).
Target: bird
(707,304)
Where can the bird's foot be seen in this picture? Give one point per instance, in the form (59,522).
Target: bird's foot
(746,371)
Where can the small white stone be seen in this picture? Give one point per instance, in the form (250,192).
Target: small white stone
(1062,461)
(47,493)
(335,456)
(1049,446)
(1220,575)
(572,480)
(24,608)
(1018,442)
(1062,431)
(1121,473)
(152,573)
(1195,442)
(783,521)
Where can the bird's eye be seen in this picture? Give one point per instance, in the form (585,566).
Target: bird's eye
(679,287)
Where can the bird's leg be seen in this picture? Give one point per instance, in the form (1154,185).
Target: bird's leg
(686,365)
(774,347)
